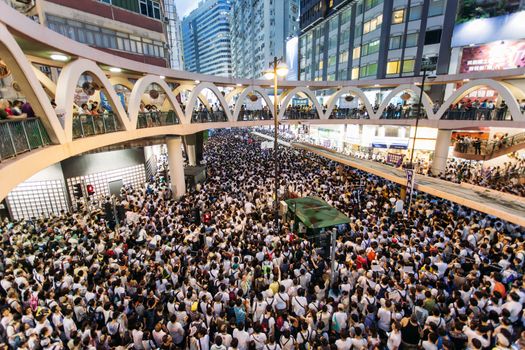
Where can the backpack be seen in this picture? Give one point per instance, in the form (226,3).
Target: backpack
(279,322)
(382,292)
(265,324)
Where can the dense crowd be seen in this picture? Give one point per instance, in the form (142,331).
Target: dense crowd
(444,278)
(15,109)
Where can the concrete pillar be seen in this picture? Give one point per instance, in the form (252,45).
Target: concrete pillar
(439,162)
(176,165)
(190,141)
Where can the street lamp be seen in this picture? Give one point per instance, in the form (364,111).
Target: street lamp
(427,65)
(277,69)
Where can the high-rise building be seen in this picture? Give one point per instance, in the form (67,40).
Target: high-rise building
(132,29)
(259,31)
(368,39)
(173,30)
(206,38)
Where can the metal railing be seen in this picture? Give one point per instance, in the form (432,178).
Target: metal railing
(19,136)
(250,115)
(407,113)
(349,113)
(488,148)
(293,114)
(153,119)
(208,117)
(477,114)
(85,125)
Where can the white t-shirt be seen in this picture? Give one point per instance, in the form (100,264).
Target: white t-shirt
(343,344)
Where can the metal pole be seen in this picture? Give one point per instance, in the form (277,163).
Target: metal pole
(275,146)
(332,255)
(417,117)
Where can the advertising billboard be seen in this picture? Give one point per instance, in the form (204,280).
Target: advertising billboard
(476,9)
(494,56)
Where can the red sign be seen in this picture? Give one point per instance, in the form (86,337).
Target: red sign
(493,56)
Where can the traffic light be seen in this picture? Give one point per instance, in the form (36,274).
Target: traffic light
(90,190)
(77,191)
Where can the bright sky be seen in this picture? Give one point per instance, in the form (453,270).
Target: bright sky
(184,7)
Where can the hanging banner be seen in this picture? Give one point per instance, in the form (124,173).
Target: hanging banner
(410,184)
(394,159)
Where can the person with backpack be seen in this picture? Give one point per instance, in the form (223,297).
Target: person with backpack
(267,321)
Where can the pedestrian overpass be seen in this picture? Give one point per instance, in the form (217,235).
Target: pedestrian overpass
(59,132)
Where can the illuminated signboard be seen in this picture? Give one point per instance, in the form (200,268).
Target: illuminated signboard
(493,56)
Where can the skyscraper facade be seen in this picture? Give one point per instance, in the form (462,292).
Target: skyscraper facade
(259,31)
(173,30)
(368,39)
(206,38)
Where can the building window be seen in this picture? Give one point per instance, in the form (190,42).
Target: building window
(371,48)
(408,66)
(395,42)
(355,73)
(356,53)
(368,70)
(372,3)
(411,40)
(436,7)
(373,24)
(398,16)
(150,8)
(415,13)
(392,67)
(433,37)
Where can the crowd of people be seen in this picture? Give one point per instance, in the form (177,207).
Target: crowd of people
(15,109)
(167,277)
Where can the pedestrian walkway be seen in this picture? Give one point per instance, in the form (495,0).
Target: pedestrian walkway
(505,206)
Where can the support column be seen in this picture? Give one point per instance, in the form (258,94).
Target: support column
(190,141)
(176,166)
(439,162)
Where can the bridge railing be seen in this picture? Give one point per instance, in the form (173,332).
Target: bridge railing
(19,136)
(251,115)
(477,114)
(349,113)
(293,114)
(85,125)
(206,116)
(407,113)
(153,119)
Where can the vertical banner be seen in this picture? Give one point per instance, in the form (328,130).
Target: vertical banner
(410,187)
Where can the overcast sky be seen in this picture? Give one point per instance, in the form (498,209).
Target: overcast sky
(184,7)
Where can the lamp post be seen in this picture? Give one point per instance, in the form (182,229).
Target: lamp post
(427,64)
(277,69)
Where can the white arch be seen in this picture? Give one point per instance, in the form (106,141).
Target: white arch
(195,93)
(22,71)
(66,85)
(426,100)
(288,95)
(244,94)
(354,91)
(230,95)
(136,98)
(504,89)
(121,81)
(186,87)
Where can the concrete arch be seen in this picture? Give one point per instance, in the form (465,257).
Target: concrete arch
(67,82)
(504,89)
(24,74)
(121,81)
(186,87)
(49,85)
(230,95)
(286,98)
(136,98)
(244,94)
(426,100)
(345,90)
(196,92)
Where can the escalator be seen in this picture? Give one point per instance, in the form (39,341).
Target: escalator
(490,149)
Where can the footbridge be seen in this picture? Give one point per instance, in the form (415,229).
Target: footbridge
(186,103)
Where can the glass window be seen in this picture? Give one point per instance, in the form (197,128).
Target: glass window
(343,57)
(433,37)
(356,53)
(435,7)
(392,67)
(366,27)
(398,16)
(408,66)
(355,73)
(395,42)
(412,40)
(415,13)
(372,69)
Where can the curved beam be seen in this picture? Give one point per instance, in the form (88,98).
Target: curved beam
(48,84)
(427,101)
(230,95)
(244,94)
(67,82)
(121,81)
(24,74)
(140,87)
(187,87)
(311,96)
(195,93)
(504,89)
(354,91)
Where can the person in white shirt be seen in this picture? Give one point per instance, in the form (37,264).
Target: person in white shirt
(69,324)
(343,343)
(299,303)
(513,306)
(394,339)
(242,337)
